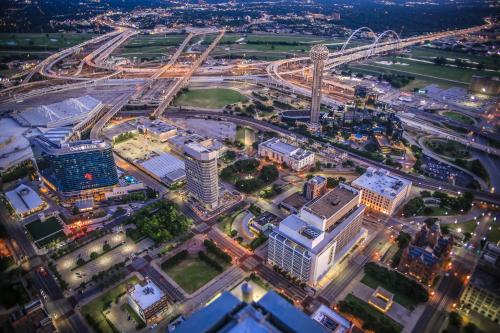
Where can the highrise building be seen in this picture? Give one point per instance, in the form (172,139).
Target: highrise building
(201,173)
(308,244)
(80,169)
(319,53)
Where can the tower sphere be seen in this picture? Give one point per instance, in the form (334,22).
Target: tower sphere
(319,52)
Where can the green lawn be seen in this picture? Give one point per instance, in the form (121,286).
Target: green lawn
(402,299)
(494,234)
(150,46)
(449,149)
(465,227)
(192,273)
(362,309)
(39,229)
(93,311)
(214,98)
(464,119)
(41,41)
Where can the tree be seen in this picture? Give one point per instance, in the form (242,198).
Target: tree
(403,240)
(331,182)
(269,173)
(80,262)
(440,61)
(93,255)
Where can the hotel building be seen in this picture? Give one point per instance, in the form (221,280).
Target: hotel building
(382,191)
(308,244)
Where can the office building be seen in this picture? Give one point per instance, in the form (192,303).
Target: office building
(201,173)
(307,245)
(271,313)
(382,191)
(318,54)
(314,187)
(80,169)
(281,152)
(147,300)
(482,292)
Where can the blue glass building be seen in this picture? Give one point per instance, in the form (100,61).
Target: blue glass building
(75,168)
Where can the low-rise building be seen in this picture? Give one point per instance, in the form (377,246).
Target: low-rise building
(331,320)
(25,201)
(157,129)
(308,244)
(32,318)
(382,191)
(265,222)
(166,167)
(179,143)
(147,300)
(281,152)
(482,292)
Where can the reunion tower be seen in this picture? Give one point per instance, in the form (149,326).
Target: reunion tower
(319,53)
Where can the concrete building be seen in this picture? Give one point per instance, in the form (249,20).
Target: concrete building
(281,152)
(147,300)
(201,173)
(315,187)
(382,191)
(308,244)
(179,143)
(319,53)
(482,292)
(333,321)
(271,313)
(25,201)
(166,167)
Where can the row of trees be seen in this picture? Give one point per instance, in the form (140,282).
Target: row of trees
(237,174)
(212,248)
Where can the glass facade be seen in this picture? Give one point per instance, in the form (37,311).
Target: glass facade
(76,166)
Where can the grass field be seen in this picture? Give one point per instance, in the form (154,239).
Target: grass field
(494,234)
(465,227)
(368,309)
(464,119)
(94,309)
(402,299)
(39,229)
(40,41)
(193,273)
(210,98)
(150,46)
(449,149)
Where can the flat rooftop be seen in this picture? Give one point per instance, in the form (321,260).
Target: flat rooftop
(382,182)
(146,293)
(331,320)
(279,146)
(331,202)
(24,199)
(166,166)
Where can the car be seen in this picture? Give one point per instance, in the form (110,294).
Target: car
(154,326)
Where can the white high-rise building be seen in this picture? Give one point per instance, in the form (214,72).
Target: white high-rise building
(307,245)
(201,173)
(382,191)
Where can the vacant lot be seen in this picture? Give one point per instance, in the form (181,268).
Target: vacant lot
(461,118)
(210,98)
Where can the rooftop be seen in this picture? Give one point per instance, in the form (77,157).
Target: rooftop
(382,182)
(331,320)
(24,199)
(166,166)
(70,147)
(279,146)
(69,111)
(331,202)
(146,293)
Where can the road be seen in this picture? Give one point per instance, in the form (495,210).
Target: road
(419,181)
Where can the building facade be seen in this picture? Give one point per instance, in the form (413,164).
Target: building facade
(281,152)
(308,244)
(382,191)
(83,169)
(315,187)
(202,177)
(482,292)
